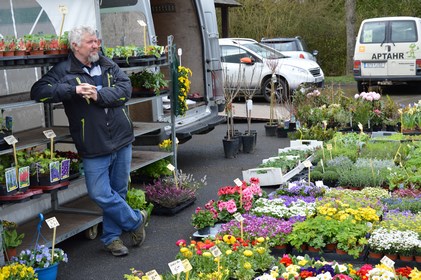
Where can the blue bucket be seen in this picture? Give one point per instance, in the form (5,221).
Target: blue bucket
(48,273)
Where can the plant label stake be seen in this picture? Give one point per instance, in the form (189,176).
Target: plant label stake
(153,275)
(172,169)
(308,165)
(63,11)
(50,135)
(387,262)
(323,152)
(187,267)
(176,267)
(322,164)
(179,53)
(319,184)
(216,253)
(11,140)
(240,184)
(52,223)
(143,24)
(329,148)
(240,219)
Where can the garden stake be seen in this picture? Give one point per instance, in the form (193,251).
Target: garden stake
(63,11)
(323,151)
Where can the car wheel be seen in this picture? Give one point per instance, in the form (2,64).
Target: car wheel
(280,89)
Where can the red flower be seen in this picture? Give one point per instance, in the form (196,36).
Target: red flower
(181,243)
(286,260)
(305,273)
(404,271)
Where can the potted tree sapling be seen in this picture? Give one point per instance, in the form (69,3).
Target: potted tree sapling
(231,90)
(271,125)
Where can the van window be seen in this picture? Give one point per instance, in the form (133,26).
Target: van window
(403,31)
(373,32)
(233,54)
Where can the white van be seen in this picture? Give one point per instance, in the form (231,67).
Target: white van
(388,52)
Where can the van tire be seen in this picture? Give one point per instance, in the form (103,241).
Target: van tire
(362,86)
(280,88)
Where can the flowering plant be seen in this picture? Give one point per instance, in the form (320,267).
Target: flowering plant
(393,241)
(17,271)
(202,218)
(41,257)
(169,192)
(253,227)
(284,207)
(239,258)
(301,188)
(166,145)
(184,88)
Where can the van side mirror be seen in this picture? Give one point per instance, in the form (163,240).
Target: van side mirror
(246,60)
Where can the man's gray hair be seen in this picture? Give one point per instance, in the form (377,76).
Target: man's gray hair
(76,34)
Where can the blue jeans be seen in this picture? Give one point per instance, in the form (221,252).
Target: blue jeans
(107,180)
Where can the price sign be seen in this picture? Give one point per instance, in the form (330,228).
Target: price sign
(187,265)
(141,22)
(329,147)
(63,9)
(176,267)
(49,133)
(153,275)
(238,217)
(52,222)
(387,262)
(307,163)
(238,182)
(171,167)
(319,184)
(10,139)
(215,251)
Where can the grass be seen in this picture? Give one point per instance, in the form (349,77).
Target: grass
(348,79)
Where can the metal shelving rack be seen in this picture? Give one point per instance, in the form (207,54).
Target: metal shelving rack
(78,213)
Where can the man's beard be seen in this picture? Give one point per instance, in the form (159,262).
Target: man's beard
(93,57)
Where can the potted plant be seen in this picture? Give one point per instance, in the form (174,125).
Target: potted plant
(17,271)
(203,219)
(11,239)
(148,174)
(44,260)
(171,195)
(136,199)
(147,82)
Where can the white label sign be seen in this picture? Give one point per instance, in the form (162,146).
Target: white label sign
(63,9)
(238,182)
(141,22)
(10,139)
(187,265)
(387,262)
(329,147)
(153,275)
(215,251)
(176,267)
(52,222)
(319,184)
(171,167)
(307,163)
(49,133)
(238,217)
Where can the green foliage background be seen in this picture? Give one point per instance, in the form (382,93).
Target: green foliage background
(320,22)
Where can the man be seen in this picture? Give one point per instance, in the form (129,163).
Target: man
(94,90)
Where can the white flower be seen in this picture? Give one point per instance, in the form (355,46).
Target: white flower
(324,276)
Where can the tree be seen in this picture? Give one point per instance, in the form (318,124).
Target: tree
(350,10)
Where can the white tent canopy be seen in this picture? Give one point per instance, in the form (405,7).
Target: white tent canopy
(79,13)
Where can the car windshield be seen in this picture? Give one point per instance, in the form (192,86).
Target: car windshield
(263,51)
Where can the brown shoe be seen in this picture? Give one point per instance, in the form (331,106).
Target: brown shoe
(138,235)
(117,248)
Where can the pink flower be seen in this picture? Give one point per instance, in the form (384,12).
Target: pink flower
(356,96)
(181,242)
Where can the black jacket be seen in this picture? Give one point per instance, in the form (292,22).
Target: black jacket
(94,132)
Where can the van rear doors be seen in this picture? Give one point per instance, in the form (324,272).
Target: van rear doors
(387,52)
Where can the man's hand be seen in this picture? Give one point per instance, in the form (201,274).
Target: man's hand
(87,91)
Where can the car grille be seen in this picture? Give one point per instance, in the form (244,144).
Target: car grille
(315,72)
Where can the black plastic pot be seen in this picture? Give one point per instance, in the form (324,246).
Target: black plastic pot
(230,147)
(248,143)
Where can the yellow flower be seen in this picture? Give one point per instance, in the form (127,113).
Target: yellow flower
(261,250)
(228,252)
(207,254)
(303,262)
(248,253)
(247,265)
(261,239)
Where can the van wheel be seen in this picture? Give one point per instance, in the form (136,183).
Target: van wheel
(280,89)
(362,86)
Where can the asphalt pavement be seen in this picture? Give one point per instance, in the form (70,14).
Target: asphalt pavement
(202,155)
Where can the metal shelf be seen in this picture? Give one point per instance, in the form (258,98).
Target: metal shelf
(35,137)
